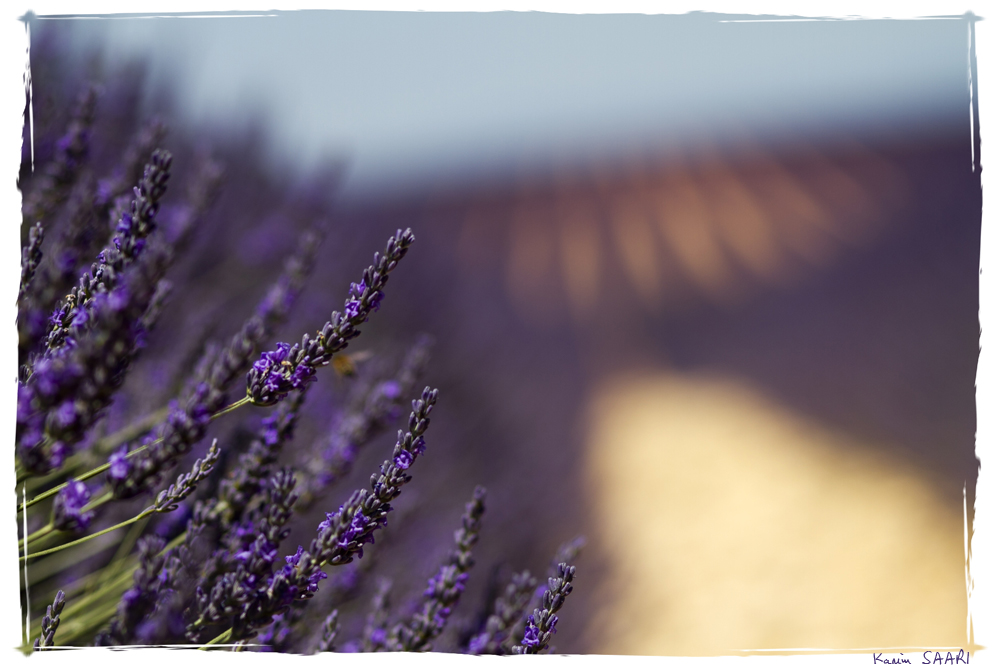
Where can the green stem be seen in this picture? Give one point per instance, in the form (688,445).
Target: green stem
(87,475)
(218,640)
(45,568)
(133,430)
(78,628)
(38,534)
(226,410)
(47,530)
(100,605)
(110,571)
(146,512)
(101,446)
(99,469)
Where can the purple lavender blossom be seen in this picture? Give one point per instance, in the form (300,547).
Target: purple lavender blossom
(68,392)
(404,459)
(124,249)
(331,625)
(72,150)
(67,509)
(372,408)
(31,257)
(445,588)
(280,371)
(119,464)
(532,632)
(541,623)
(362,515)
(280,376)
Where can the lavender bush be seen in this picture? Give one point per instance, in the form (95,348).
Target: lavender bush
(129,361)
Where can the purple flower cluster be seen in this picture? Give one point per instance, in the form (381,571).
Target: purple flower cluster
(31,257)
(67,509)
(279,376)
(444,588)
(375,403)
(312,581)
(72,150)
(532,632)
(541,623)
(357,533)
(281,370)
(508,610)
(359,303)
(132,229)
(69,391)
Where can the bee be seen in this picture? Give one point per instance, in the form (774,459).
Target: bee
(346,364)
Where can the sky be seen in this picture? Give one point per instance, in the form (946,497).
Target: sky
(412,96)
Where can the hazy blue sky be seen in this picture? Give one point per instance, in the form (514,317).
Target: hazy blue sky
(407,95)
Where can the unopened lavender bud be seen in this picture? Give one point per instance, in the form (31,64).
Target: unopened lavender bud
(168,499)
(50,622)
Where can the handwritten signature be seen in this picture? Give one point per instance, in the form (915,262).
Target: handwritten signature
(960,658)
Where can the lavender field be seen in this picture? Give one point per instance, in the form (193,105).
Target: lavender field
(701,392)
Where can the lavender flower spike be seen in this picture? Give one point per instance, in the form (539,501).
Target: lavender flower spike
(67,509)
(31,257)
(50,622)
(373,635)
(508,609)
(542,623)
(343,534)
(139,600)
(220,368)
(446,587)
(168,499)
(68,392)
(290,367)
(330,628)
(371,410)
(130,239)
(60,174)
(241,592)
